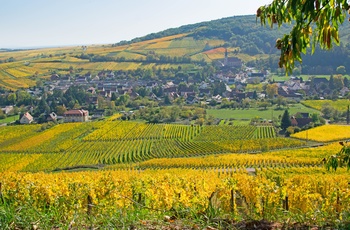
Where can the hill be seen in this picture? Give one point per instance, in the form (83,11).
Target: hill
(189,47)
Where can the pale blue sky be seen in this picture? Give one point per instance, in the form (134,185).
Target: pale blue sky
(33,23)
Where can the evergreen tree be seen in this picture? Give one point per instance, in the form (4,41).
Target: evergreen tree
(255,95)
(331,82)
(285,121)
(167,100)
(346,82)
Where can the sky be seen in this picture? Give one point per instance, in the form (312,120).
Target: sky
(43,23)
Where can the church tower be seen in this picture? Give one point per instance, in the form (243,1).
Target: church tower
(226,57)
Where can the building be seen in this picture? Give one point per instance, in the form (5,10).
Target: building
(232,61)
(51,117)
(76,115)
(26,119)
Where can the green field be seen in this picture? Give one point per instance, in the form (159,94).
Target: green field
(248,114)
(8,119)
(305,77)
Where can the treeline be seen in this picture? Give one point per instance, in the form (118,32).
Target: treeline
(151,57)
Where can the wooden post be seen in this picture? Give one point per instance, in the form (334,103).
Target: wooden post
(287,205)
(1,198)
(337,208)
(139,199)
(232,203)
(89,205)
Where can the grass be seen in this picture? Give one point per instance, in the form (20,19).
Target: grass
(247,114)
(305,77)
(234,122)
(8,119)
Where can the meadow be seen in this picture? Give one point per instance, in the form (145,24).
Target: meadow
(267,114)
(122,175)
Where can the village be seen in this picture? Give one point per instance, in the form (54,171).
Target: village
(78,97)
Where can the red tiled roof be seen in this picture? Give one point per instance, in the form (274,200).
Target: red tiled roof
(79,112)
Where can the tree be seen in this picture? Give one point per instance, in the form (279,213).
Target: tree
(342,158)
(60,110)
(338,82)
(39,83)
(331,82)
(114,96)
(255,95)
(285,121)
(174,113)
(12,98)
(123,100)
(264,104)
(341,70)
(314,22)
(271,90)
(167,100)
(327,110)
(281,101)
(2,114)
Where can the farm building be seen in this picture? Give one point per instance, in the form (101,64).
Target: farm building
(26,119)
(76,115)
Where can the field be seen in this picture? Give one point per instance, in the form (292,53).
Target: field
(325,133)
(122,175)
(8,119)
(341,105)
(248,114)
(30,65)
(305,77)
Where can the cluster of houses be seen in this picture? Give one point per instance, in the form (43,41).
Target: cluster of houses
(105,84)
(74,115)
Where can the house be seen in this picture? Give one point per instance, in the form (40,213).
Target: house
(320,80)
(191,99)
(204,92)
(26,119)
(232,61)
(301,119)
(7,109)
(81,79)
(302,115)
(51,117)
(95,79)
(170,90)
(300,122)
(76,115)
(55,77)
(91,90)
(93,100)
(151,85)
(110,75)
(344,91)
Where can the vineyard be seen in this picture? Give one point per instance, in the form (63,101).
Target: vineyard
(340,105)
(325,133)
(196,175)
(29,65)
(115,141)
